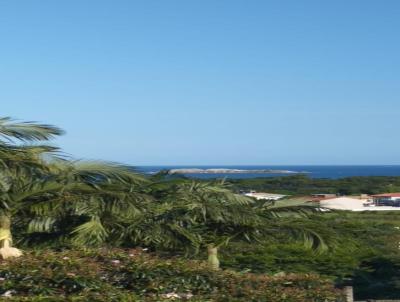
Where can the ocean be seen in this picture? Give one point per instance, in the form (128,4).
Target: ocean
(312,171)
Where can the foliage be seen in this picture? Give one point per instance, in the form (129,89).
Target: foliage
(20,165)
(45,194)
(27,131)
(56,201)
(86,201)
(191,214)
(132,275)
(378,277)
(304,185)
(363,252)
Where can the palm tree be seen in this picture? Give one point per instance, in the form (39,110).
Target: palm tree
(16,162)
(88,200)
(193,215)
(286,218)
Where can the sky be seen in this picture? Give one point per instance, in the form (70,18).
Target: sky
(207,82)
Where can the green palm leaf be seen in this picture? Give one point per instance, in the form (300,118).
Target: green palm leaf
(27,131)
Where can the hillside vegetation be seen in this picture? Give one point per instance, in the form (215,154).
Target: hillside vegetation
(305,185)
(76,231)
(58,215)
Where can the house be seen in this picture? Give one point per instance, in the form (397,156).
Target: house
(387,199)
(266,196)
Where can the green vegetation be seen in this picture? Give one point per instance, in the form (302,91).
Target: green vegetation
(82,226)
(120,275)
(48,201)
(189,215)
(304,185)
(195,215)
(44,193)
(363,251)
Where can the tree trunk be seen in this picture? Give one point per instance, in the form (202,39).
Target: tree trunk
(6,251)
(348,291)
(213,260)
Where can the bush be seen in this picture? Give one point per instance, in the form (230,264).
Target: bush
(363,251)
(131,275)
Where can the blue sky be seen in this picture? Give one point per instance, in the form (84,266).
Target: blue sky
(208,82)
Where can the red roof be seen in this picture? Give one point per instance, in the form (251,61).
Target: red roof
(387,195)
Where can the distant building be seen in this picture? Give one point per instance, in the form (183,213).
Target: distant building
(266,196)
(387,199)
(323,195)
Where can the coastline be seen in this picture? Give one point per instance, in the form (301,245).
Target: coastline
(230,171)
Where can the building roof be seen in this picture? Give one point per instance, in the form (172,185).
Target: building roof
(387,195)
(261,195)
(265,194)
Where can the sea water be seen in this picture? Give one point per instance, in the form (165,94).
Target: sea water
(312,171)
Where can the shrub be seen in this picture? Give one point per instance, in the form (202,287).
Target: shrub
(131,275)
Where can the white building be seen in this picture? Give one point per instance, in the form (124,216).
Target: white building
(387,199)
(266,196)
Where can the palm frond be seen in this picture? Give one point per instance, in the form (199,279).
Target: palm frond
(27,131)
(91,232)
(284,208)
(95,171)
(41,224)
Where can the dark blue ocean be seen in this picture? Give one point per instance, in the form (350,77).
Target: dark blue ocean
(311,171)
